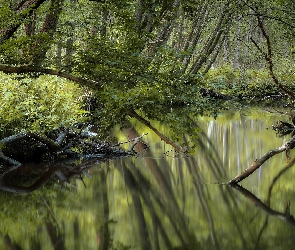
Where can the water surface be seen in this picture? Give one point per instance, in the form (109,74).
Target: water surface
(164,200)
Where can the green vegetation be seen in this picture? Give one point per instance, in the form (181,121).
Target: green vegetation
(247,84)
(148,56)
(38,105)
(174,62)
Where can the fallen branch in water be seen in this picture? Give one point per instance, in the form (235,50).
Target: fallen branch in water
(75,142)
(258,162)
(133,114)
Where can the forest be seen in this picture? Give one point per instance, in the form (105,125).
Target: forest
(74,71)
(101,61)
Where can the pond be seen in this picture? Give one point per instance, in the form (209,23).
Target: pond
(164,200)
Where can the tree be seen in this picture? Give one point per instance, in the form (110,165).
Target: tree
(133,55)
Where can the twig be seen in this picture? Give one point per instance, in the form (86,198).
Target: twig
(134,144)
(134,139)
(50,210)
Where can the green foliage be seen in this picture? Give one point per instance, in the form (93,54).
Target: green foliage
(141,53)
(30,49)
(251,83)
(39,104)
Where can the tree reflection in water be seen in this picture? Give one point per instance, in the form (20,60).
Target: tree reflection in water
(149,202)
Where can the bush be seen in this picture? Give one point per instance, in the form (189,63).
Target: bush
(38,104)
(251,83)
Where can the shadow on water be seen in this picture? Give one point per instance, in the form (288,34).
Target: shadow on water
(145,202)
(25,179)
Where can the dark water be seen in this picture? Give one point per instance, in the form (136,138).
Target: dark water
(165,201)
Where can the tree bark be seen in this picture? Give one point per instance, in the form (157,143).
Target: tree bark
(24,9)
(31,69)
(258,162)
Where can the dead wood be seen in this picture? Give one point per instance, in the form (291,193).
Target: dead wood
(65,143)
(132,113)
(258,162)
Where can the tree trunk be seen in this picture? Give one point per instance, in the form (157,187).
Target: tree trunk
(24,9)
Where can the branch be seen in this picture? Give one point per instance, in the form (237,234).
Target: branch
(258,162)
(268,58)
(132,113)
(31,69)
(25,135)
(24,9)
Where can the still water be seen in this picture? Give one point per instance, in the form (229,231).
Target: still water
(161,200)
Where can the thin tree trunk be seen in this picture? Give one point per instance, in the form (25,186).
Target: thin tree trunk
(195,36)
(48,27)
(167,27)
(104,19)
(30,27)
(217,51)
(23,9)
(211,43)
(237,62)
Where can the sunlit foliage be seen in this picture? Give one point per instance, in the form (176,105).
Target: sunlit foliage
(38,104)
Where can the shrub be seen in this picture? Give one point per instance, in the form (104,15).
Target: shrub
(38,104)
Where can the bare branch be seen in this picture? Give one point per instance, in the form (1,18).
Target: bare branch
(268,58)
(31,69)
(258,162)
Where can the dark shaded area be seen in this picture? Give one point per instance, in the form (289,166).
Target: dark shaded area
(212,94)
(283,128)
(76,142)
(28,178)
